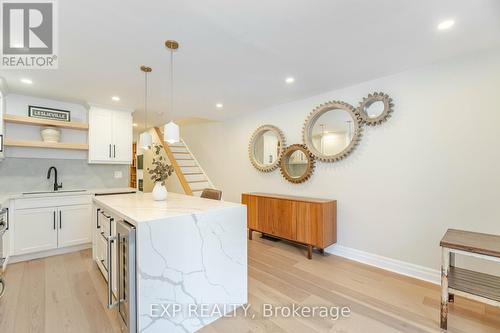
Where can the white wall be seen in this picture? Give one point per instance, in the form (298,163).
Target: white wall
(434,165)
(18,105)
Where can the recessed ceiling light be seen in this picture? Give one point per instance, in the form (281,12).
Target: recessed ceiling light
(445,25)
(134,124)
(289,80)
(115,98)
(26,81)
(219,105)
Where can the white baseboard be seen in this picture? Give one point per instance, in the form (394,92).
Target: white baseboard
(49,253)
(389,264)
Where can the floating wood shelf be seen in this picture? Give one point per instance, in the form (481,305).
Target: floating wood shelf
(41,144)
(9,118)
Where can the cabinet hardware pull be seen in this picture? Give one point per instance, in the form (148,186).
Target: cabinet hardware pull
(110,241)
(60,220)
(104,266)
(54,224)
(97,219)
(114,151)
(106,216)
(2,291)
(110,150)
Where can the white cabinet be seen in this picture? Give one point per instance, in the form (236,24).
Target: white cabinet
(35,230)
(122,137)
(100,135)
(41,224)
(110,136)
(105,226)
(74,225)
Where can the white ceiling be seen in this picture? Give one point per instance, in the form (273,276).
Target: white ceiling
(239,52)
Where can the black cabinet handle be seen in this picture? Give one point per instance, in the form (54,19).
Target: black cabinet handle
(54,223)
(60,220)
(114,150)
(97,219)
(106,216)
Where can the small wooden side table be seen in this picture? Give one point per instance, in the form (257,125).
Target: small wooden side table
(463,282)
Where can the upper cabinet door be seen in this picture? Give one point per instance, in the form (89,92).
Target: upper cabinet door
(110,136)
(100,135)
(122,137)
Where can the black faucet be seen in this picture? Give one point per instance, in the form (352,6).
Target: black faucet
(56,186)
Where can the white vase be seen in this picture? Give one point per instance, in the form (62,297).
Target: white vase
(159,192)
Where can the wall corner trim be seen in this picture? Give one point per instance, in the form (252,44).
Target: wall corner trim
(389,264)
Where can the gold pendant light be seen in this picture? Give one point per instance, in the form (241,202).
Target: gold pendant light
(145,139)
(171,130)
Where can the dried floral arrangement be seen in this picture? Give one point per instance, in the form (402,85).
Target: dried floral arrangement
(161,170)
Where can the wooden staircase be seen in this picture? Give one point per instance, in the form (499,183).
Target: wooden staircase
(191,175)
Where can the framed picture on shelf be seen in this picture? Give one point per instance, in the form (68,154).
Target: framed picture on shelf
(48,113)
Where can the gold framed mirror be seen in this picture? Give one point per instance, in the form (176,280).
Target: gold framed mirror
(332,131)
(266,148)
(297,164)
(375,108)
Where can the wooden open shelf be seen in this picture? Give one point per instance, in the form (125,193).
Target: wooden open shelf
(9,118)
(41,144)
(474,283)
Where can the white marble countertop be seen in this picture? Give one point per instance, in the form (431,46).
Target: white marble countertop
(5,197)
(140,207)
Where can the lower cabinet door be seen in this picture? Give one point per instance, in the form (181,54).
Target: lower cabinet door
(35,230)
(75,225)
(101,255)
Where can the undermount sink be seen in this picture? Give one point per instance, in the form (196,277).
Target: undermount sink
(52,192)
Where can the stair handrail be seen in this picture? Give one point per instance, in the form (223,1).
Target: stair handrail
(175,164)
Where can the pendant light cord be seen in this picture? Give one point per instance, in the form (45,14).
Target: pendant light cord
(172,82)
(146,100)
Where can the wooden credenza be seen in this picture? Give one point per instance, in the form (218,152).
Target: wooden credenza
(308,221)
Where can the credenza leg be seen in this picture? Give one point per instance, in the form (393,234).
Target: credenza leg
(309,251)
(250,234)
(322,251)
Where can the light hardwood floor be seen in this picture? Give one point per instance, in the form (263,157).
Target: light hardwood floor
(67,294)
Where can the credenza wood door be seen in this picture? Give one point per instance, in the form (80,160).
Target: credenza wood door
(281,217)
(312,222)
(306,220)
(252,212)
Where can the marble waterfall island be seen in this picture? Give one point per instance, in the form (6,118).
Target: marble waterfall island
(191,258)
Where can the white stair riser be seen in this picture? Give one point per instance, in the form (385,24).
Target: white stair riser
(199,186)
(195,177)
(186,163)
(190,169)
(178,149)
(178,144)
(181,156)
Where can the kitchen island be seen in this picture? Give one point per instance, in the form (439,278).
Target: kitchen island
(190,259)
